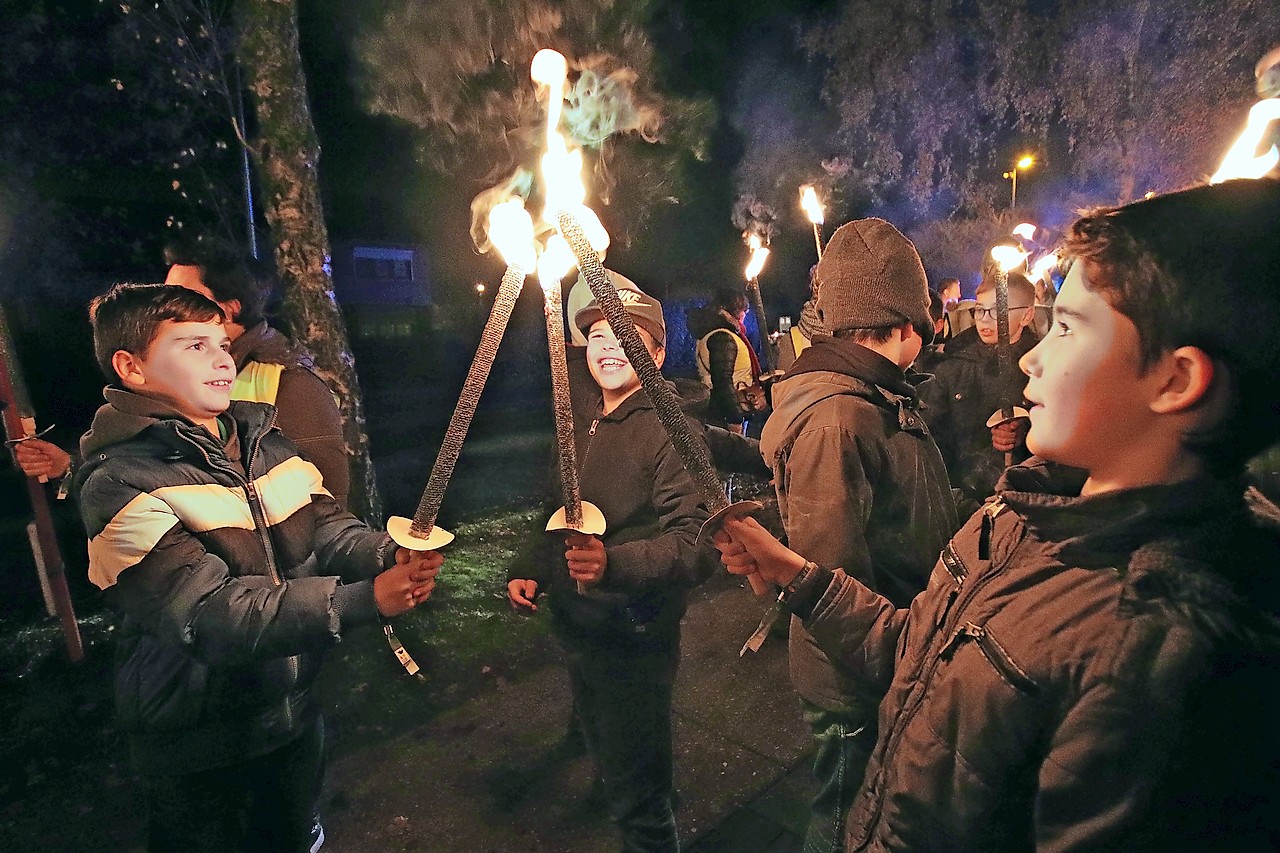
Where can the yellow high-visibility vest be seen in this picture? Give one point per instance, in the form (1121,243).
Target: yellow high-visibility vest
(257,382)
(741,363)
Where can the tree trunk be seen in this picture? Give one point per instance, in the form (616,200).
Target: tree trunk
(287,152)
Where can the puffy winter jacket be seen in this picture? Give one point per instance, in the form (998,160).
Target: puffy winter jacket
(228,582)
(1082,673)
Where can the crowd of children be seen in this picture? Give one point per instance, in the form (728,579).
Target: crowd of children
(1085,663)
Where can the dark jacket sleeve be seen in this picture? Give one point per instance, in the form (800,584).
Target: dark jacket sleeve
(673,555)
(732,451)
(859,631)
(722,351)
(308,416)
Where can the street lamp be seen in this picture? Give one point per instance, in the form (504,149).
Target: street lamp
(1024,163)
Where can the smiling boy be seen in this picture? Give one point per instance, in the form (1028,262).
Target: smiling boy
(1092,666)
(226,558)
(621,628)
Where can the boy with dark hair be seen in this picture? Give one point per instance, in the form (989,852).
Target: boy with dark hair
(859,480)
(270,368)
(621,629)
(1092,666)
(227,558)
(969,387)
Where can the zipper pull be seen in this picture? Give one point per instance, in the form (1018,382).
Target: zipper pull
(594,424)
(989,513)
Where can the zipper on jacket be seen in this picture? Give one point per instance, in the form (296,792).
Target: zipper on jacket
(595,423)
(955,567)
(989,513)
(995,654)
(923,676)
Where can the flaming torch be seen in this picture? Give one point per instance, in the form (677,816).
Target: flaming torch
(511,230)
(565,193)
(813,209)
(759,254)
(1243,160)
(576,514)
(1006,258)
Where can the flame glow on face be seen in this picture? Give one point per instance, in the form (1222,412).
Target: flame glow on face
(812,207)
(1243,160)
(759,254)
(511,230)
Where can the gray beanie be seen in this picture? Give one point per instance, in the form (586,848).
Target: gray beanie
(870,277)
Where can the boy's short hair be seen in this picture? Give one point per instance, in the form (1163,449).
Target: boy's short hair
(127,316)
(225,271)
(1021,291)
(1201,268)
(937,308)
(730,297)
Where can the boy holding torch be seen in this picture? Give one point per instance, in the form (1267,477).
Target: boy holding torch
(1092,664)
(621,634)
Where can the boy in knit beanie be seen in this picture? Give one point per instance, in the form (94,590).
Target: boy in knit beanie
(859,479)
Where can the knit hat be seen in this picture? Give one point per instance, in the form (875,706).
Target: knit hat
(870,277)
(580,294)
(645,311)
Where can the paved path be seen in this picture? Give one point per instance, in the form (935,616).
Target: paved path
(493,777)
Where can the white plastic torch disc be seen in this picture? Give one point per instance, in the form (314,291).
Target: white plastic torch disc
(398,528)
(592,520)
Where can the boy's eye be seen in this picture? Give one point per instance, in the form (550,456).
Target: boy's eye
(1062,328)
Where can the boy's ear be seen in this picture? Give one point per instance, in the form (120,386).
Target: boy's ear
(1188,374)
(232,309)
(128,368)
(659,355)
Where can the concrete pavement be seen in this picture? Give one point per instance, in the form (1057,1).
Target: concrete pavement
(493,776)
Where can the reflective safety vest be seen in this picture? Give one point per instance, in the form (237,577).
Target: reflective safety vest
(799,343)
(257,382)
(741,363)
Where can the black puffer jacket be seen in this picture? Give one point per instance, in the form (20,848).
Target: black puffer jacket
(1082,673)
(723,405)
(229,584)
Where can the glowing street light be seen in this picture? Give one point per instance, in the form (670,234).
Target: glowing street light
(1025,162)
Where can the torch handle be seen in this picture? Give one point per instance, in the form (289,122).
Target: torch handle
(563,408)
(817,238)
(691,450)
(424,519)
(1004,350)
(757,305)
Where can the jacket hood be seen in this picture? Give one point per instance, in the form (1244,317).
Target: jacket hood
(834,368)
(640,400)
(124,416)
(705,320)
(1197,546)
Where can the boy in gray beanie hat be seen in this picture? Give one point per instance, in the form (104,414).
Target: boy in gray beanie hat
(870,277)
(860,481)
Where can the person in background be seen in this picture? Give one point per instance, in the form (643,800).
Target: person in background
(270,367)
(799,337)
(727,363)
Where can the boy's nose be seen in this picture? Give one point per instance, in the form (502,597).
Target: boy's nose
(1028,363)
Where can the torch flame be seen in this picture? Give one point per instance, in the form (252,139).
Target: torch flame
(812,207)
(511,230)
(1025,230)
(759,254)
(556,261)
(1242,160)
(1044,265)
(1008,257)
(550,69)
